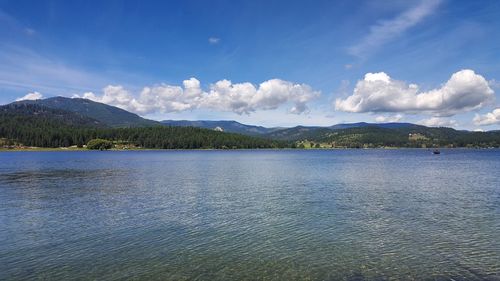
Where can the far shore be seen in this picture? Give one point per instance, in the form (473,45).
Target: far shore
(76,149)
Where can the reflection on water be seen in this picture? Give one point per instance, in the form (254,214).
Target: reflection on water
(230,215)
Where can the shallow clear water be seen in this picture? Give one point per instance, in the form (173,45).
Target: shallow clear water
(254,215)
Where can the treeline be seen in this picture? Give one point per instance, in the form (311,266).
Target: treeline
(372,136)
(40,126)
(32,125)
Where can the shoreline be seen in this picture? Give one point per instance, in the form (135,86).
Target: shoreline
(63,149)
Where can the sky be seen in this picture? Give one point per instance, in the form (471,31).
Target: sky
(270,63)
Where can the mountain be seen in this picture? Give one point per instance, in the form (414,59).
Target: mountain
(313,132)
(23,113)
(384,135)
(63,121)
(38,125)
(33,124)
(279,133)
(391,125)
(296,133)
(106,114)
(226,126)
(402,136)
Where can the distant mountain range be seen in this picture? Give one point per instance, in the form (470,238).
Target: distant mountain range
(225,125)
(115,117)
(85,113)
(391,125)
(280,133)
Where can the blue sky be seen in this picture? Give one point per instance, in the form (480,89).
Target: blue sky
(289,62)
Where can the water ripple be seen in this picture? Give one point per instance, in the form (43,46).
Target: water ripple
(251,215)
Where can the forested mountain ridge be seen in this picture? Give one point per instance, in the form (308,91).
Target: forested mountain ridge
(390,125)
(33,123)
(20,112)
(411,136)
(226,125)
(40,126)
(296,132)
(109,115)
(37,125)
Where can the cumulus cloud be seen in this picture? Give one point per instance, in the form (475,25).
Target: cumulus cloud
(31,96)
(491,118)
(438,122)
(241,98)
(386,30)
(389,118)
(378,92)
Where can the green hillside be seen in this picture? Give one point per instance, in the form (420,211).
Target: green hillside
(40,126)
(109,115)
(410,136)
(59,121)
(226,125)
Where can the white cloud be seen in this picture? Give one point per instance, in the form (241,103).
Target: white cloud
(389,118)
(241,98)
(31,96)
(490,118)
(378,92)
(29,31)
(438,122)
(213,40)
(386,30)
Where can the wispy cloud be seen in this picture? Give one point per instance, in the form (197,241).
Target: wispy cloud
(23,69)
(213,40)
(8,22)
(386,30)
(29,31)
(6,18)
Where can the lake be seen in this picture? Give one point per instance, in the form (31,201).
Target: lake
(250,215)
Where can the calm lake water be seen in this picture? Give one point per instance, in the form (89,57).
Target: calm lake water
(250,215)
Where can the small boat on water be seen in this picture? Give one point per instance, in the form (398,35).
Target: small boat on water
(436,151)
